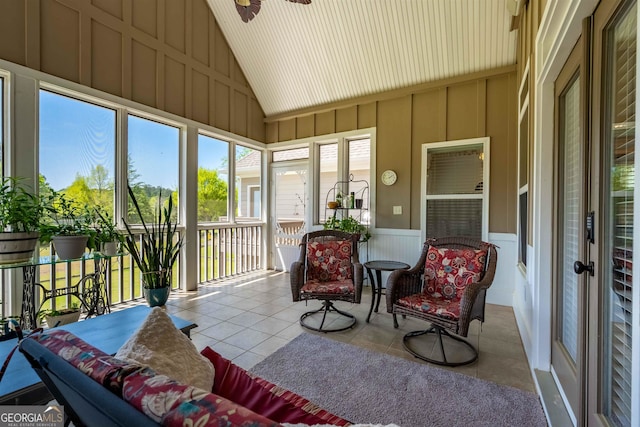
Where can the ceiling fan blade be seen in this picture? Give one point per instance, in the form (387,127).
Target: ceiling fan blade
(247,9)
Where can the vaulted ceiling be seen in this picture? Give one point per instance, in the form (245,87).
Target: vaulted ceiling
(297,56)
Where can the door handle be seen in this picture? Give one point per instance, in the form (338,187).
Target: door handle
(580,268)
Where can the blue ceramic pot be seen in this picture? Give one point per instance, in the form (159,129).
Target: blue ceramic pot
(157,297)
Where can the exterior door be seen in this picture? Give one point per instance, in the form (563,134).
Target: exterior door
(569,289)
(594,300)
(289,211)
(614,369)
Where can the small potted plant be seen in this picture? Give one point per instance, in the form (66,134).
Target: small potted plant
(60,317)
(20,216)
(106,237)
(350,225)
(67,225)
(155,251)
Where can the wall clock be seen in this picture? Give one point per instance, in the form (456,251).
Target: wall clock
(389,177)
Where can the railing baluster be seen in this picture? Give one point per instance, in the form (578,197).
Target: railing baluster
(223,251)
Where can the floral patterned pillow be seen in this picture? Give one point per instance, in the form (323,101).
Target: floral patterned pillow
(447,272)
(329,261)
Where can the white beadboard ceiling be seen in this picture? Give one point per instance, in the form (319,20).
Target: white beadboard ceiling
(297,56)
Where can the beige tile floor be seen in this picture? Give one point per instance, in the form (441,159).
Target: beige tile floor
(248,317)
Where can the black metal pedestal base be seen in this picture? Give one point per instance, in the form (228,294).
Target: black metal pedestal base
(327,306)
(442,333)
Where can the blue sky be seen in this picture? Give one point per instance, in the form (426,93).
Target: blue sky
(75,136)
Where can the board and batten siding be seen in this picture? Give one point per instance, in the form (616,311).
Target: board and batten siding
(169,55)
(472,106)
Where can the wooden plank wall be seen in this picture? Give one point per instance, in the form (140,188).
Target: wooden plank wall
(465,107)
(166,54)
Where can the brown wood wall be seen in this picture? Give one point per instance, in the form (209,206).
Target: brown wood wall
(167,54)
(450,110)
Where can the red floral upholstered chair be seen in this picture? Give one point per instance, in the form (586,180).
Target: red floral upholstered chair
(328,270)
(447,288)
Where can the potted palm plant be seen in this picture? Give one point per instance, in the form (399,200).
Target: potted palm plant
(20,216)
(155,251)
(67,225)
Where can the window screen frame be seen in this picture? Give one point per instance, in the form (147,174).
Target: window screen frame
(484,195)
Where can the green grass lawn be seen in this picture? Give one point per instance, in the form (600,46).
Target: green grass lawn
(120,278)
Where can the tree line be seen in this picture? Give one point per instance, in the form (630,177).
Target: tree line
(97,190)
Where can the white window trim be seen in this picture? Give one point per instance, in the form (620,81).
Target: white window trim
(522,110)
(342,138)
(5,122)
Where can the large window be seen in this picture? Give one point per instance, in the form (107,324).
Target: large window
(456,188)
(344,160)
(77,150)
(247,200)
(2,126)
(328,175)
(213,179)
(76,159)
(153,163)
(523,170)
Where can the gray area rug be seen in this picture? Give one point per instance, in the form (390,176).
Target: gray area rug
(368,387)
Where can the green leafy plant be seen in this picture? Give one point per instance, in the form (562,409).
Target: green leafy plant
(157,249)
(20,210)
(349,225)
(104,229)
(65,217)
(42,314)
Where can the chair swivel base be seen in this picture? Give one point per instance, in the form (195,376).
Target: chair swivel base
(441,333)
(327,307)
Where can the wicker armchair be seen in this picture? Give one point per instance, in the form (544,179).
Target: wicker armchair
(447,287)
(328,269)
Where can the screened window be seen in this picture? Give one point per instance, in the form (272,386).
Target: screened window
(153,165)
(2,127)
(345,160)
(293,154)
(523,170)
(77,150)
(247,198)
(328,175)
(213,179)
(456,189)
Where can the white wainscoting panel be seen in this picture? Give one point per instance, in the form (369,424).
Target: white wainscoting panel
(394,245)
(503,287)
(406,245)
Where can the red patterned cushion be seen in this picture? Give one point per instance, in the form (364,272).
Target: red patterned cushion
(429,304)
(448,271)
(329,261)
(101,367)
(314,286)
(263,397)
(172,403)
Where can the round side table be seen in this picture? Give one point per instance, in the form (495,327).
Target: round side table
(379,267)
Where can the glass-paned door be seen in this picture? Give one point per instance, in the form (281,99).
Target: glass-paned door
(567,356)
(289,211)
(620,284)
